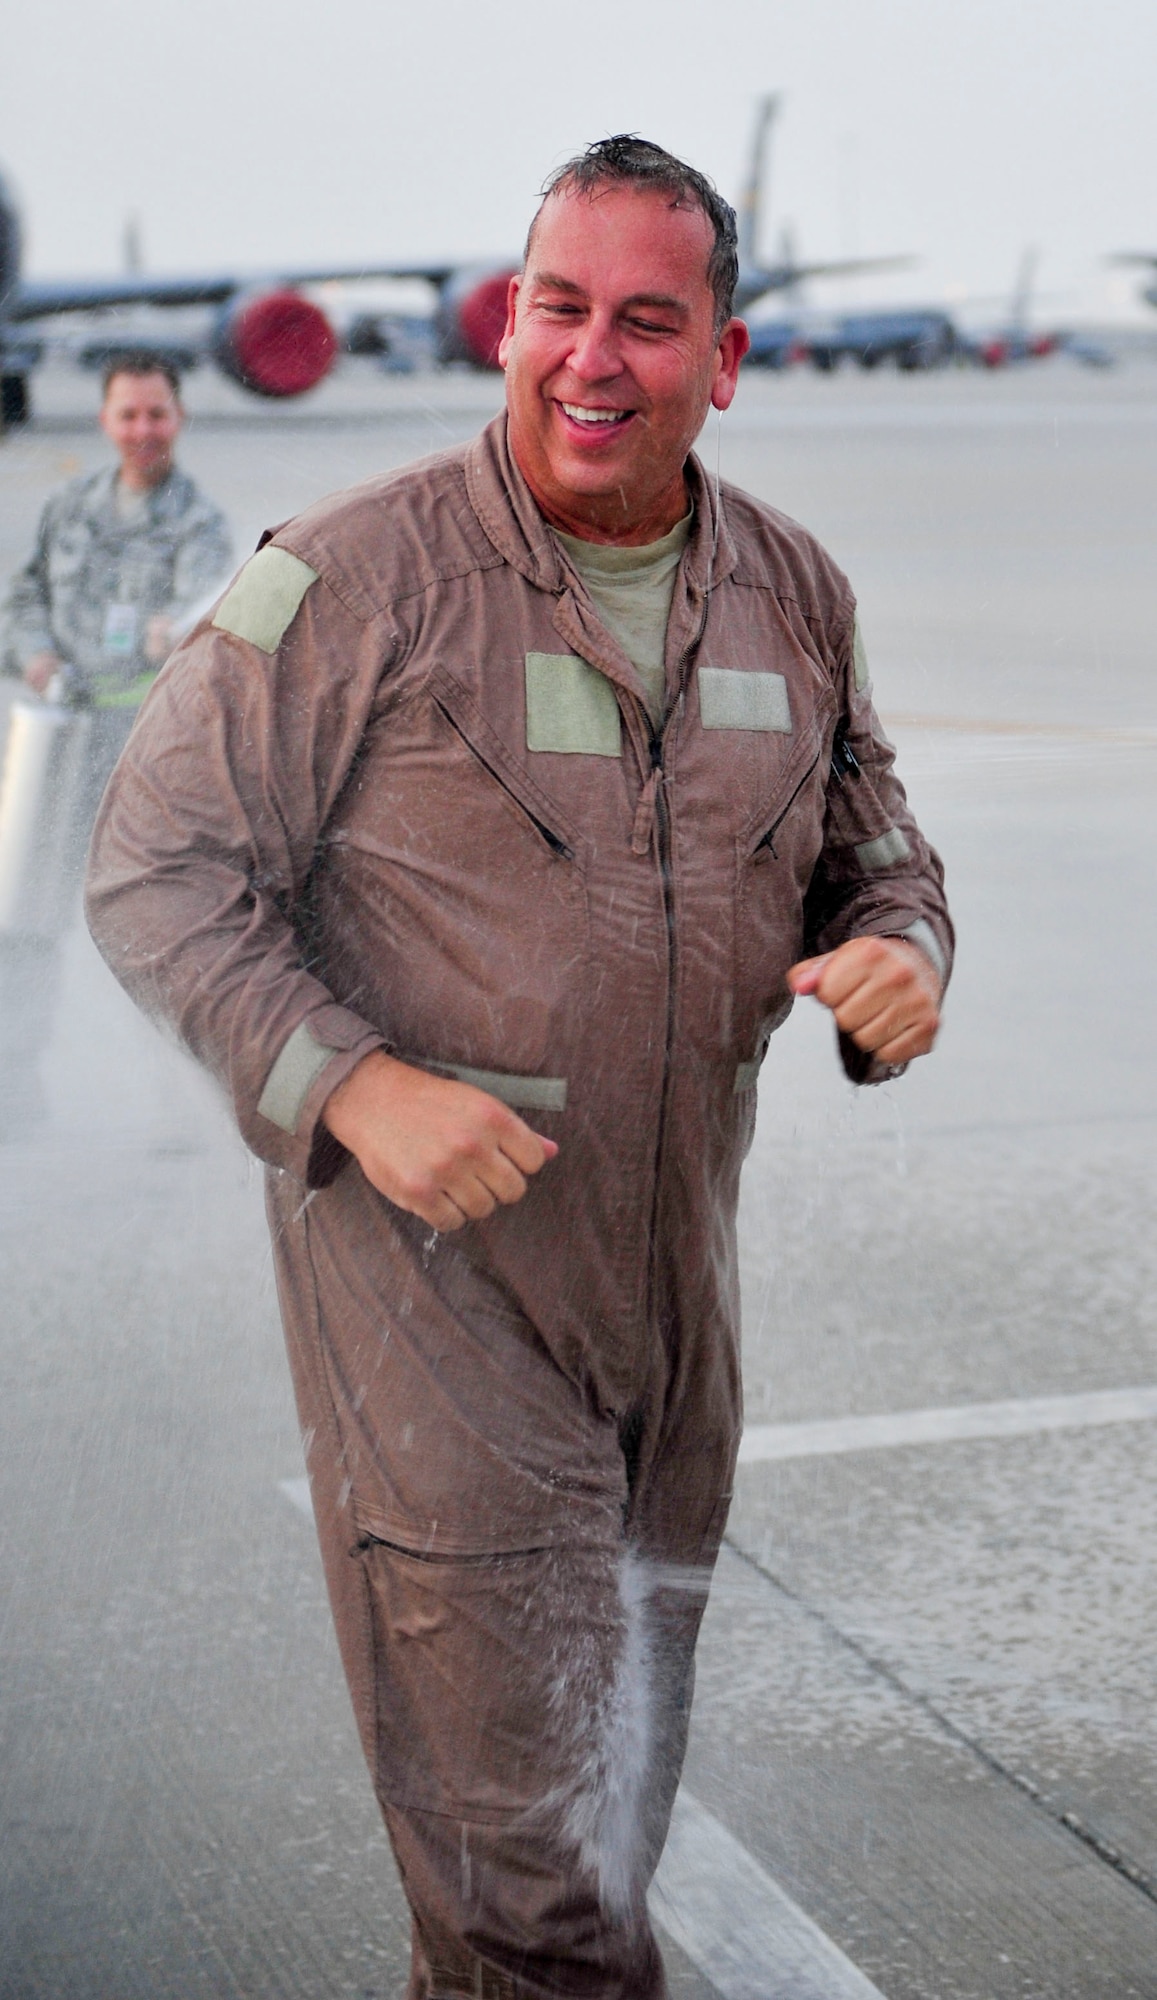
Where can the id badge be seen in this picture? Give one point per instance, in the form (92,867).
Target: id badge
(120,631)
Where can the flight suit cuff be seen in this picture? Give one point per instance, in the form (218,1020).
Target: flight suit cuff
(860,1066)
(922,935)
(315,1059)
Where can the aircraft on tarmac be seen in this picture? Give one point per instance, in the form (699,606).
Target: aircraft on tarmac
(787,273)
(266,334)
(1014,339)
(918,337)
(269,336)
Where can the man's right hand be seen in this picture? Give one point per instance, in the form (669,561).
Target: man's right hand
(40,669)
(439,1148)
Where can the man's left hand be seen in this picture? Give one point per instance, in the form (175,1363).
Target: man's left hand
(883,992)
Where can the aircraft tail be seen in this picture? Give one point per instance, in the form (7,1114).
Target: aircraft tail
(750,200)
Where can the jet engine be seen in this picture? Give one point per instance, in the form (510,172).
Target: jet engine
(1003,348)
(472,315)
(274,343)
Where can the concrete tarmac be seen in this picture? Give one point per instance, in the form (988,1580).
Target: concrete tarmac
(924,1754)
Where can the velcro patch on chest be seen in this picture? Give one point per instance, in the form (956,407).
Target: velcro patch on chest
(731,700)
(264,601)
(570,707)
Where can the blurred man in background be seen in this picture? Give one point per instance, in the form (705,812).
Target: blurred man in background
(121,557)
(123,561)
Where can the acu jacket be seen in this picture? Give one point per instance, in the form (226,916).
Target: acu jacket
(403,791)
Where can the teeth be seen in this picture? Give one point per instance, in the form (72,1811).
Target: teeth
(582,416)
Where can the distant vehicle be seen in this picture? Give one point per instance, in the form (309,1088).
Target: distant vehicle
(910,337)
(267,335)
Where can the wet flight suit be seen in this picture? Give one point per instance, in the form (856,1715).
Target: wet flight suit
(403,792)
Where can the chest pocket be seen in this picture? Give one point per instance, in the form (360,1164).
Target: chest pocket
(776,853)
(570,707)
(451,898)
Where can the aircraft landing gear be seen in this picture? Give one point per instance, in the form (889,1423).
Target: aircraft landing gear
(15,402)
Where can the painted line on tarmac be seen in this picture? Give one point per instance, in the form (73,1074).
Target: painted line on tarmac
(1064,732)
(714,1900)
(954,416)
(1027,1417)
(743,1932)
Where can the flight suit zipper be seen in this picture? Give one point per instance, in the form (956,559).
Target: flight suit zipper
(657,817)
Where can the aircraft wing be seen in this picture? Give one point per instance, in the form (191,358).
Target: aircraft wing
(844,267)
(756,284)
(41,298)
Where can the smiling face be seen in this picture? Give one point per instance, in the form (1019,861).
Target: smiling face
(612,360)
(141,417)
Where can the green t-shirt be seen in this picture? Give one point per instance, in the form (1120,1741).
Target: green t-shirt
(632,591)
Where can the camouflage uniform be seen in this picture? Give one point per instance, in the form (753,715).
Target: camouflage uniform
(98,574)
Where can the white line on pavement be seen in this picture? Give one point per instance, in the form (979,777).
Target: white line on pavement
(1041,732)
(1023,1418)
(826,1436)
(745,1935)
(942,417)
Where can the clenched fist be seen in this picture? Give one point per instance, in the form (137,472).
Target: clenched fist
(883,992)
(438,1148)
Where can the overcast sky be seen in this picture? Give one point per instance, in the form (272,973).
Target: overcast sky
(262,132)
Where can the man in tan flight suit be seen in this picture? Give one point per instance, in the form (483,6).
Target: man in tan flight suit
(478,843)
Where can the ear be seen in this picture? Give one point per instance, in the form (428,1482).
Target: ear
(512,292)
(734,342)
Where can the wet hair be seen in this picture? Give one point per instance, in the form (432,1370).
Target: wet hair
(628,161)
(138,361)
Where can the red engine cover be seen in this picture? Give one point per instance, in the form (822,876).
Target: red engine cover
(277,344)
(482,318)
